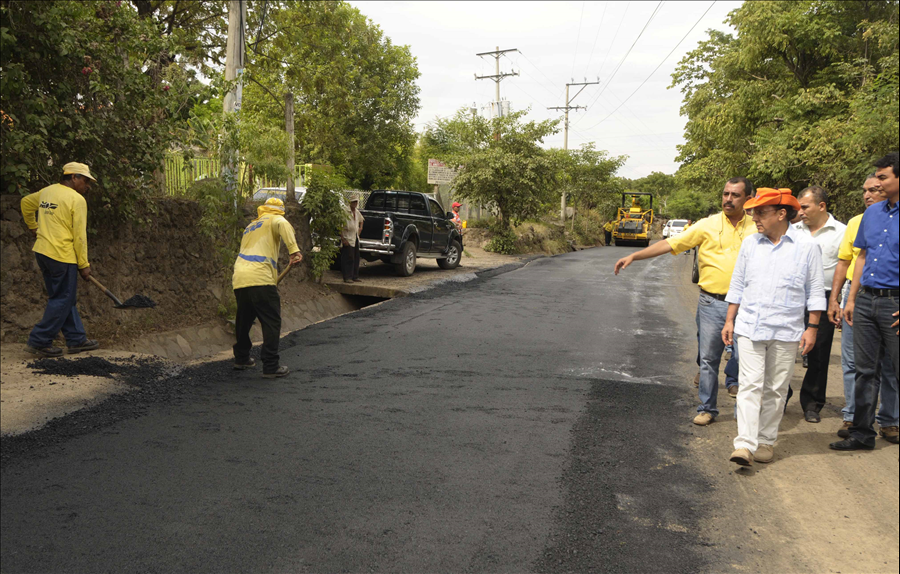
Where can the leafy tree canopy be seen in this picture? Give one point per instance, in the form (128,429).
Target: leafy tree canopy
(806,93)
(503,166)
(88,81)
(355,92)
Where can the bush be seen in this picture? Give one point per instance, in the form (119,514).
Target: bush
(322,204)
(504,241)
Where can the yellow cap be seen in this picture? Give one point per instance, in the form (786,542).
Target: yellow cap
(78,169)
(275,202)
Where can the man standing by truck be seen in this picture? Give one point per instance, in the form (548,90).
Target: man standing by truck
(718,240)
(353,226)
(61,252)
(255,284)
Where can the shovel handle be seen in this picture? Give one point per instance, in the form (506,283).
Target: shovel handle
(283,273)
(106,291)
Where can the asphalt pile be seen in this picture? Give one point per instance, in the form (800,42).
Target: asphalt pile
(85,366)
(139,301)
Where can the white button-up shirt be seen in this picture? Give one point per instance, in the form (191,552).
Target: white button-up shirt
(829,238)
(774,283)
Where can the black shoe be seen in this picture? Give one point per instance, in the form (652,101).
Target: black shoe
(850,444)
(348,280)
(812,417)
(44,351)
(87,345)
(280,372)
(357,280)
(244,366)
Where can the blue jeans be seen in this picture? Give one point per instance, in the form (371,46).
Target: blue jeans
(61,280)
(711,315)
(889,411)
(873,338)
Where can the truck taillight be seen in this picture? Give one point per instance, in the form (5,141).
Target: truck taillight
(388,229)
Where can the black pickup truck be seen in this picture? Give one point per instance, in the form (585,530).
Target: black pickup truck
(403,225)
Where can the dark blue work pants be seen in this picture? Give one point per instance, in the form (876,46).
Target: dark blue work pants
(61,313)
(873,337)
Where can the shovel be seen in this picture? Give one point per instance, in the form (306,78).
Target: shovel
(283,273)
(119,304)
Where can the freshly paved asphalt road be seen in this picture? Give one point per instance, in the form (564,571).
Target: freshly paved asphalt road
(532,420)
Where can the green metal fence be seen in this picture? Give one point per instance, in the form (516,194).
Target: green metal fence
(180,174)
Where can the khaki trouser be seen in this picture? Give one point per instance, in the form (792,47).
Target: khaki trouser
(766,368)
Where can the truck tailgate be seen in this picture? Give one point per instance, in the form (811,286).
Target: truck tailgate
(373,226)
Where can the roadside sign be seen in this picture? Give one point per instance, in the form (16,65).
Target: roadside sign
(439,172)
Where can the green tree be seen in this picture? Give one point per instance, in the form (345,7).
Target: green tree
(805,93)
(91,82)
(510,173)
(355,91)
(587,174)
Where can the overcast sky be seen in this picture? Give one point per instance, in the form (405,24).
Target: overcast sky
(559,41)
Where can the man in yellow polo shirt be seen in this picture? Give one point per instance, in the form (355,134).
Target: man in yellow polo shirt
(255,283)
(888,416)
(57,215)
(718,240)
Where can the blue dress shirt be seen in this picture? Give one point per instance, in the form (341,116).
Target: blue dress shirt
(878,235)
(773,284)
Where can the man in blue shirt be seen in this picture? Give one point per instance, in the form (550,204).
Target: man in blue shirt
(872,306)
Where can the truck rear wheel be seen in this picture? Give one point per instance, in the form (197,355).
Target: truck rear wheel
(407,264)
(453,256)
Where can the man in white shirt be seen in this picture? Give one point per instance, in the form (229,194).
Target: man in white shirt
(353,225)
(778,273)
(828,233)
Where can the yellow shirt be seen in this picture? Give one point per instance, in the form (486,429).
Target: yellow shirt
(846,252)
(719,243)
(61,225)
(257,262)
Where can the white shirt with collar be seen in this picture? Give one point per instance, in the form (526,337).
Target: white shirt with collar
(828,237)
(774,283)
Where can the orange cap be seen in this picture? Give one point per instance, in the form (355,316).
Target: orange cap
(769,196)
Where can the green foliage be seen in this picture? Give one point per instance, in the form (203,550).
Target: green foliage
(588,227)
(355,92)
(322,204)
(587,175)
(504,241)
(89,81)
(807,93)
(512,175)
(219,219)
(691,204)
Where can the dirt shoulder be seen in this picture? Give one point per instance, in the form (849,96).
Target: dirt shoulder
(812,509)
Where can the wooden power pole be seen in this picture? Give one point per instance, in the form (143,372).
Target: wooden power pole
(566,108)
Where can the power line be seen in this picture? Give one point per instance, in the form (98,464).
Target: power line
(538,69)
(616,35)
(656,68)
(577,39)
(625,57)
(597,37)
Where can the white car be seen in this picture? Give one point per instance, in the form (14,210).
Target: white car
(674,227)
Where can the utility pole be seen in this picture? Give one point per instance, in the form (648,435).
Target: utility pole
(289,128)
(234,69)
(497,77)
(567,107)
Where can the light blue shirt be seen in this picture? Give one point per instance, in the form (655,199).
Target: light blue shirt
(773,284)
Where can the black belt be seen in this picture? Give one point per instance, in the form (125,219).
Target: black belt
(714,296)
(881,292)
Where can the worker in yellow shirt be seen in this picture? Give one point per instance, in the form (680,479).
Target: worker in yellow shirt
(888,416)
(718,239)
(607,231)
(255,282)
(57,215)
